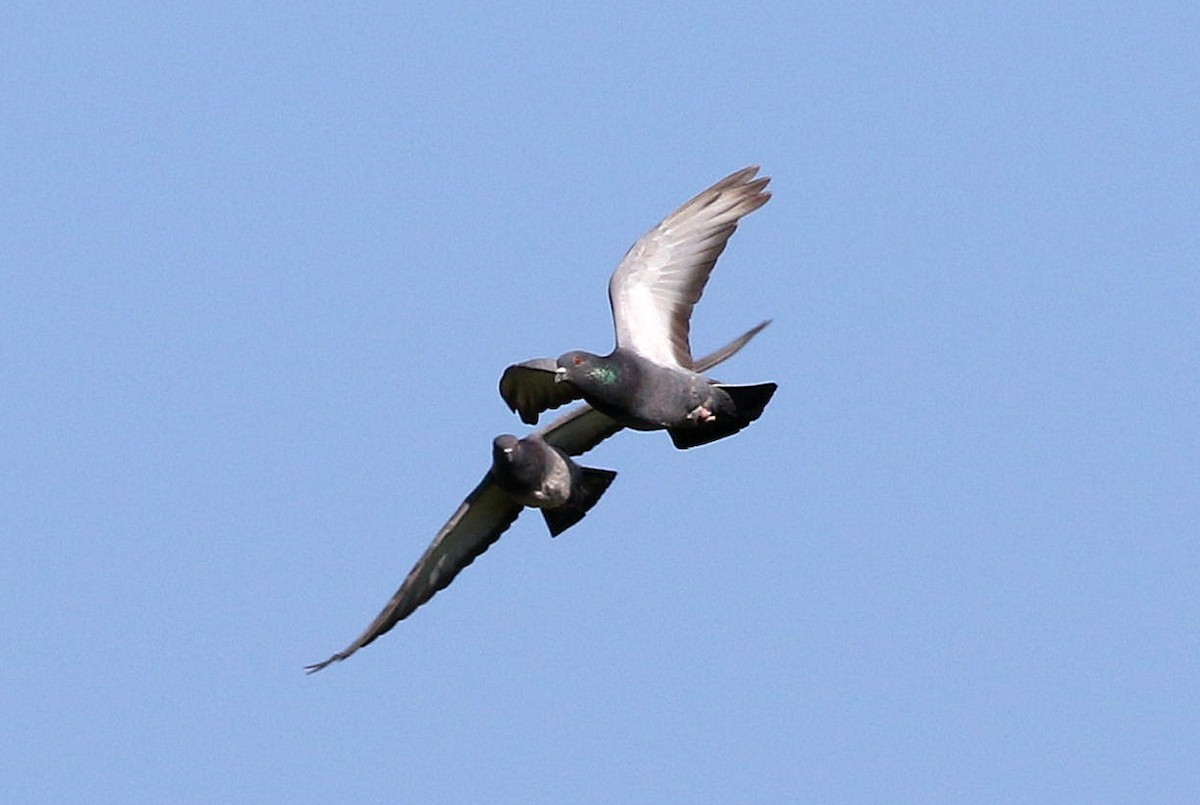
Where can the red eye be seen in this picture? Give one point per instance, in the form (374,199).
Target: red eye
(577,360)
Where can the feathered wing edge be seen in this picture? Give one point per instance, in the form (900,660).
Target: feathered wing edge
(529,388)
(475,525)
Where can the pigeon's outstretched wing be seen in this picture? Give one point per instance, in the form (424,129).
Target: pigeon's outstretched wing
(529,388)
(662,276)
(479,521)
(581,429)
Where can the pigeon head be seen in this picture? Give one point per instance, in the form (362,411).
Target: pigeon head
(585,370)
(504,448)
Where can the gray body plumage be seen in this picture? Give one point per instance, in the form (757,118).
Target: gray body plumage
(532,472)
(640,394)
(535,474)
(644,395)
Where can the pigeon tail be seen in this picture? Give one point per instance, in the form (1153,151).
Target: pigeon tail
(749,403)
(586,493)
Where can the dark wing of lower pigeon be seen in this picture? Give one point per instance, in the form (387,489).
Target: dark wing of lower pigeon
(529,388)
(479,521)
(581,429)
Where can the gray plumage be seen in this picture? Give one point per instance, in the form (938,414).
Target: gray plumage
(643,395)
(584,427)
(649,382)
(535,474)
(524,472)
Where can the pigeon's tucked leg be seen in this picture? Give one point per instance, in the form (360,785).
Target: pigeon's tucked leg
(746,404)
(701,414)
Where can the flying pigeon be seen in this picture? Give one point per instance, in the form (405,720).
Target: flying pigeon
(535,474)
(535,471)
(649,382)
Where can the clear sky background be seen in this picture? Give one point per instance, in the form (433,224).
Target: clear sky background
(263,265)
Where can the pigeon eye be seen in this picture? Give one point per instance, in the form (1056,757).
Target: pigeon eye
(577,360)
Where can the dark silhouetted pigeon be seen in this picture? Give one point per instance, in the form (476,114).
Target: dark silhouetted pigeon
(648,382)
(535,471)
(535,474)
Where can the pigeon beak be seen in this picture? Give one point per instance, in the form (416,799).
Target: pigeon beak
(560,375)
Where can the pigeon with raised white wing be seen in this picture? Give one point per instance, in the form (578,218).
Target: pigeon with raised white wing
(649,382)
(536,471)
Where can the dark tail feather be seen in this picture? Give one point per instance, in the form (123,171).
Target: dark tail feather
(588,489)
(749,403)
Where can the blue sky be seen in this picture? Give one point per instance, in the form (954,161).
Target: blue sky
(263,267)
